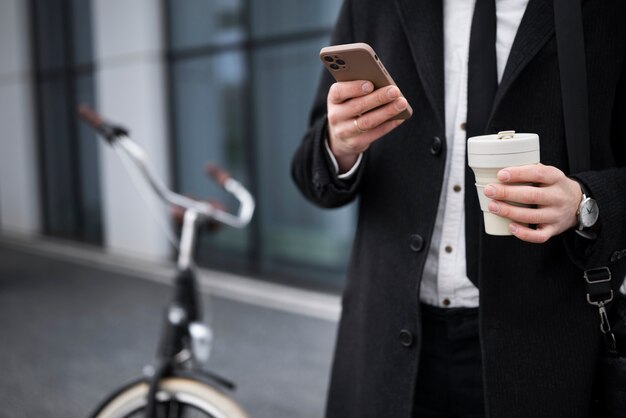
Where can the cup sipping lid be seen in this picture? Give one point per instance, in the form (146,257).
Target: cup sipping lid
(511,144)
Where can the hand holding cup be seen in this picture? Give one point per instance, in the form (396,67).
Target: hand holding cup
(515,190)
(553,198)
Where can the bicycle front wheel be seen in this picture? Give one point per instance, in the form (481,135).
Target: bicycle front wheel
(178,397)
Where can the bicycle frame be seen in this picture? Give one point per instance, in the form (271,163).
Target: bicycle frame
(184,339)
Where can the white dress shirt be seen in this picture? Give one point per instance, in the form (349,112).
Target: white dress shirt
(444,281)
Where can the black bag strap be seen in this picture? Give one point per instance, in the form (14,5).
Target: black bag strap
(570,43)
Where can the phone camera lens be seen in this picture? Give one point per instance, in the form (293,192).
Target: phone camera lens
(334,66)
(341,62)
(328,58)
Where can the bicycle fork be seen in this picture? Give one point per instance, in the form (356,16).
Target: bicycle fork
(185,338)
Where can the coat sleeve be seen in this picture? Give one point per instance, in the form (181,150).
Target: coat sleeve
(311,167)
(608,187)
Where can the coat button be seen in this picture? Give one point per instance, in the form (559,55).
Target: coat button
(416,242)
(436,145)
(406,338)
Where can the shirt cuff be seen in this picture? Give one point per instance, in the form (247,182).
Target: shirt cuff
(348,174)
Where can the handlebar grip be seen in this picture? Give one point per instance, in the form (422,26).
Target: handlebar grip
(90,116)
(219,175)
(110,132)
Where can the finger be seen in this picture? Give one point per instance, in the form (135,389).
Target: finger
(354,144)
(360,105)
(534,216)
(535,173)
(383,129)
(536,236)
(530,195)
(374,118)
(356,140)
(346,90)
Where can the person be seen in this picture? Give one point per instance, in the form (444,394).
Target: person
(440,319)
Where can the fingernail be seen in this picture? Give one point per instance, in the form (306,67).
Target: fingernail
(490,191)
(400,104)
(504,175)
(367,87)
(513,228)
(493,207)
(393,92)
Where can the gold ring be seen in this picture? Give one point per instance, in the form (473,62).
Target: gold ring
(356,124)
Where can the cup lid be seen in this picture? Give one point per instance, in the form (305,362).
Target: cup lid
(511,144)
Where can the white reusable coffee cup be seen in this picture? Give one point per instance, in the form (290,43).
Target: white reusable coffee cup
(489,154)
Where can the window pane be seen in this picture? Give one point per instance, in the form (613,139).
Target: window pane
(209,124)
(71,187)
(87,144)
(81,31)
(278,17)
(294,232)
(58,180)
(195,23)
(216,101)
(50,33)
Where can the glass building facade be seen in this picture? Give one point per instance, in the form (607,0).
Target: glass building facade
(68,150)
(241,76)
(242,79)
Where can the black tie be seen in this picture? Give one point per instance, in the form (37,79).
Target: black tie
(481,89)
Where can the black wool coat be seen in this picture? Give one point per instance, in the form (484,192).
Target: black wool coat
(540,339)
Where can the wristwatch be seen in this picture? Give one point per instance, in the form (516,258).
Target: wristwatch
(587,215)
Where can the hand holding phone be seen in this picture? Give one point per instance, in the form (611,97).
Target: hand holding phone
(358,61)
(363,105)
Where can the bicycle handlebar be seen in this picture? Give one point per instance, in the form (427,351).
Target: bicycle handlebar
(110,132)
(219,175)
(118,137)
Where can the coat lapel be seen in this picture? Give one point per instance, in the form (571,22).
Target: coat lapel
(535,29)
(422,21)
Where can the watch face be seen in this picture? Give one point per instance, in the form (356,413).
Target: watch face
(588,213)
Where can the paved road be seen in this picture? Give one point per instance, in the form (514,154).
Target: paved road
(71,333)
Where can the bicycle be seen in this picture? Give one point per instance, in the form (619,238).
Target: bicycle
(178,386)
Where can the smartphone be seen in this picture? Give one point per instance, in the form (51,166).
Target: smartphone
(358,61)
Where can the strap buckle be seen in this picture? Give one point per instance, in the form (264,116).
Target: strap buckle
(599,293)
